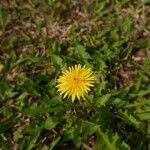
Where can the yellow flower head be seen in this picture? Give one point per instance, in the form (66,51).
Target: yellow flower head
(75,82)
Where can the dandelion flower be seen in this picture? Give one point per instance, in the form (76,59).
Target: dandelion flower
(76,82)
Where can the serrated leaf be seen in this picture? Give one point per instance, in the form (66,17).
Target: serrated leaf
(107,143)
(57,59)
(104,142)
(103,100)
(80,132)
(129,118)
(51,122)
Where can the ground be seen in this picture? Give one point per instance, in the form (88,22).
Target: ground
(40,39)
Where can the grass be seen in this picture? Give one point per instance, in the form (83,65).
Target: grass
(40,39)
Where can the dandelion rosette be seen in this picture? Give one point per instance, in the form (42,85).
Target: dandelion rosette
(76,82)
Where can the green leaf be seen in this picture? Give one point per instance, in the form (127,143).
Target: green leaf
(126,24)
(32,140)
(129,118)
(105,141)
(57,59)
(114,35)
(53,105)
(144,112)
(35,111)
(141,93)
(103,100)
(79,132)
(4,126)
(51,122)
(6,91)
(54,142)
(109,143)
(144,115)
(81,52)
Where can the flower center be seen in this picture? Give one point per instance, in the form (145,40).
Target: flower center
(76,82)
